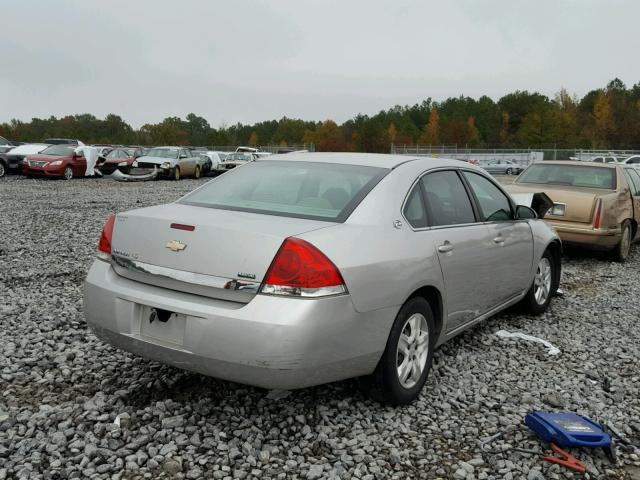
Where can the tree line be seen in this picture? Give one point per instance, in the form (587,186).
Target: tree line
(605,118)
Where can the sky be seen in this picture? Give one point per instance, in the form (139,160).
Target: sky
(248,61)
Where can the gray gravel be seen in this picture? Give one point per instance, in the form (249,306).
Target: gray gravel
(73,407)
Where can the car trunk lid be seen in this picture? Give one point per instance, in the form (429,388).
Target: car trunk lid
(212,252)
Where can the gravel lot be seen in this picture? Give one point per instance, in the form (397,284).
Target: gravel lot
(63,390)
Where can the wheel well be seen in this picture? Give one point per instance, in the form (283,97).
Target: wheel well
(555,248)
(434,297)
(634,227)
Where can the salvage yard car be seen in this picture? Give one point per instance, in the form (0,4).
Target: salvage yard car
(15,157)
(596,205)
(301,269)
(502,167)
(171,162)
(57,161)
(234,160)
(120,159)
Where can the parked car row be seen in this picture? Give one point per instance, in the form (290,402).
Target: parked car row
(125,163)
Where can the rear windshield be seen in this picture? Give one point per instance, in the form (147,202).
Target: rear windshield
(59,150)
(570,175)
(317,191)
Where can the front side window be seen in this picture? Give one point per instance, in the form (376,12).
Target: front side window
(446,199)
(414,210)
(494,204)
(318,191)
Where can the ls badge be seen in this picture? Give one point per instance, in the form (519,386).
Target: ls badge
(176,246)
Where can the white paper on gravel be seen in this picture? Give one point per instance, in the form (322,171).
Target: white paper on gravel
(91,156)
(553,350)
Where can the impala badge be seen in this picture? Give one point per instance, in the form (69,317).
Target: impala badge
(176,246)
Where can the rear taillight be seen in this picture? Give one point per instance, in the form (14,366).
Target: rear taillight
(596,221)
(104,246)
(301,270)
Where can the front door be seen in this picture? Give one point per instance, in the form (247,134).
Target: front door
(462,245)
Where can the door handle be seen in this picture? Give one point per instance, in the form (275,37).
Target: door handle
(499,239)
(445,247)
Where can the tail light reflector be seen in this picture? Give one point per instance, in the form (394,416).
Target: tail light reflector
(104,246)
(301,270)
(596,222)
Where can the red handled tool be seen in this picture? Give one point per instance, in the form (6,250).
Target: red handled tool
(566,460)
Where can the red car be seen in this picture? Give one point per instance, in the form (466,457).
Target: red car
(120,159)
(58,161)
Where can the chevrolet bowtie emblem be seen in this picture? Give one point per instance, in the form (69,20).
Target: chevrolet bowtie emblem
(176,246)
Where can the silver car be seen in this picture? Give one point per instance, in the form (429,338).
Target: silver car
(302,269)
(502,167)
(170,162)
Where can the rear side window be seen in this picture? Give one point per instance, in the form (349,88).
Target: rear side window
(446,199)
(414,210)
(317,191)
(494,205)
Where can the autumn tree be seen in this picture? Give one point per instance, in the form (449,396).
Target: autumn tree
(253,139)
(431,134)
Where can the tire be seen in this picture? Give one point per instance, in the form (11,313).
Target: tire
(537,299)
(2,170)
(176,173)
(508,171)
(68,173)
(385,384)
(621,252)
(196,174)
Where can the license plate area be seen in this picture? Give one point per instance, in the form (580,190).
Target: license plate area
(162,325)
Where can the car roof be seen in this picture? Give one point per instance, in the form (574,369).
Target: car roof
(577,162)
(365,159)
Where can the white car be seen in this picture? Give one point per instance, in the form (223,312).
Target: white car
(234,160)
(16,155)
(212,160)
(607,159)
(633,161)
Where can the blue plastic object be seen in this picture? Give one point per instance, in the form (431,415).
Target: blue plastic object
(568,430)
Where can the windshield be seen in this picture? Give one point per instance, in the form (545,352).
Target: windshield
(4,141)
(319,191)
(59,150)
(163,152)
(570,175)
(60,141)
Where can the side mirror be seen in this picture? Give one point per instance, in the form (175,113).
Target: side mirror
(523,213)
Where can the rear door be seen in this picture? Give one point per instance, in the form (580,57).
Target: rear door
(511,242)
(462,246)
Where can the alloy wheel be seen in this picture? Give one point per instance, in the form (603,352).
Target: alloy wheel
(542,281)
(68,173)
(413,350)
(1,170)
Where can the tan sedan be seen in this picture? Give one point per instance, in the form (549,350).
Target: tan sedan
(594,205)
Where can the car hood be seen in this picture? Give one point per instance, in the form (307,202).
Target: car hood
(28,149)
(119,160)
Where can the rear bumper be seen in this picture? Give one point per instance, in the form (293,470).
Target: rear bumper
(271,342)
(585,235)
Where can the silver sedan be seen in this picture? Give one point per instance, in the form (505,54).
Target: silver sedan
(308,268)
